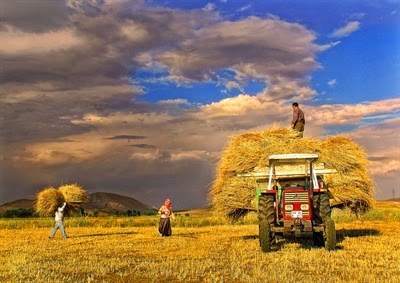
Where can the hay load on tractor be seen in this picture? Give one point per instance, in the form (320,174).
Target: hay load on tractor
(234,196)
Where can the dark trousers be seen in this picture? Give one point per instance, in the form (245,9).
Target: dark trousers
(165,227)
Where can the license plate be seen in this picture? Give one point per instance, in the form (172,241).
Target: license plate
(297,214)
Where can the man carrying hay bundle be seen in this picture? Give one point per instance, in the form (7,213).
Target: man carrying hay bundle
(298,120)
(64,201)
(59,218)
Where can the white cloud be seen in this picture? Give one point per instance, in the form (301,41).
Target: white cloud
(146,156)
(233,106)
(332,82)
(346,30)
(178,101)
(381,142)
(344,114)
(233,85)
(209,7)
(188,155)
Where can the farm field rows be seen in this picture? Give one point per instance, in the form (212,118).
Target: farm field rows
(367,251)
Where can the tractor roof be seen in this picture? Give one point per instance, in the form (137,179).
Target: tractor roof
(296,158)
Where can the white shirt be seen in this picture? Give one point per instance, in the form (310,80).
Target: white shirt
(60,213)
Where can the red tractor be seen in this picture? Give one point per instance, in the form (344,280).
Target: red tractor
(295,201)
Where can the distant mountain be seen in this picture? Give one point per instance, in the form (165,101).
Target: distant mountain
(14,205)
(108,202)
(102,202)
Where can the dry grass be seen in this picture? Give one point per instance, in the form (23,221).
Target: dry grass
(367,251)
(235,196)
(49,199)
(74,195)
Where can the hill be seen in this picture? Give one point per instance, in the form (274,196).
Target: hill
(109,202)
(14,205)
(102,202)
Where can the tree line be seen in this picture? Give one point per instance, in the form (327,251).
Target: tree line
(30,213)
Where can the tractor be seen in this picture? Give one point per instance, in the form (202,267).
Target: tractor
(295,201)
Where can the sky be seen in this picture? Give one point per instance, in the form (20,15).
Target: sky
(140,98)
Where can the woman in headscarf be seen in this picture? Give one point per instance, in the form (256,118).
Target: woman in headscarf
(165,223)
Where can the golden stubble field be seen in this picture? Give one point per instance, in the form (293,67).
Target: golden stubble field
(368,250)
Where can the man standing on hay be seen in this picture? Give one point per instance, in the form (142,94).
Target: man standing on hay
(59,217)
(298,120)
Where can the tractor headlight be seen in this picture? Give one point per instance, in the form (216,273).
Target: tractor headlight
(288,206)
(304,207)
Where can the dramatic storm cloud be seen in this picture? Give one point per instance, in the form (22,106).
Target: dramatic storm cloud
(139,98)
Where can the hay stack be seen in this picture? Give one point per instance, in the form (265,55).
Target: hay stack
(234,196)
(49,199)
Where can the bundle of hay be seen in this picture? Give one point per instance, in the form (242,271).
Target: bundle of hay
(235,196)
(49,199)
(74,196)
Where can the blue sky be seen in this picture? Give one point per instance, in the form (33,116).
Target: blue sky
(370,56)
(140,97)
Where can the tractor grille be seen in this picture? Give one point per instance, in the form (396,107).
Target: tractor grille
(296,197)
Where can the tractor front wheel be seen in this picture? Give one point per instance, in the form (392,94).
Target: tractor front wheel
(266,217)
(265,235)
(330,235)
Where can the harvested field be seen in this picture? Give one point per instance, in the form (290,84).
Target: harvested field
(366,251)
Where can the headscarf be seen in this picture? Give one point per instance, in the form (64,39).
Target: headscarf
(167,203)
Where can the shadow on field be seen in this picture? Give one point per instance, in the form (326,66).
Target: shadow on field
(188,234)
(306,242)
(250,237)
(105,234)
(352,233)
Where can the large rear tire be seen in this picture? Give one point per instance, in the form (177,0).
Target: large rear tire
(266,218)
(330,235)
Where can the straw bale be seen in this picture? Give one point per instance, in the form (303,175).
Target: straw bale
(74,196)
(234,196)
(47,201)
(74,193)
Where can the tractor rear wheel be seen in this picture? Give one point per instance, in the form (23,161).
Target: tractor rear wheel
(266,217)
(330,235)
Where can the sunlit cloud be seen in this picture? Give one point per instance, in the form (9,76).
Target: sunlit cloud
(346,30)
(15,41)
(350,114)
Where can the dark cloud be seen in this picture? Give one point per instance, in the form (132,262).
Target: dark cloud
(253,47)
(34,16)
(143,145)
(378,158)
(125,137)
